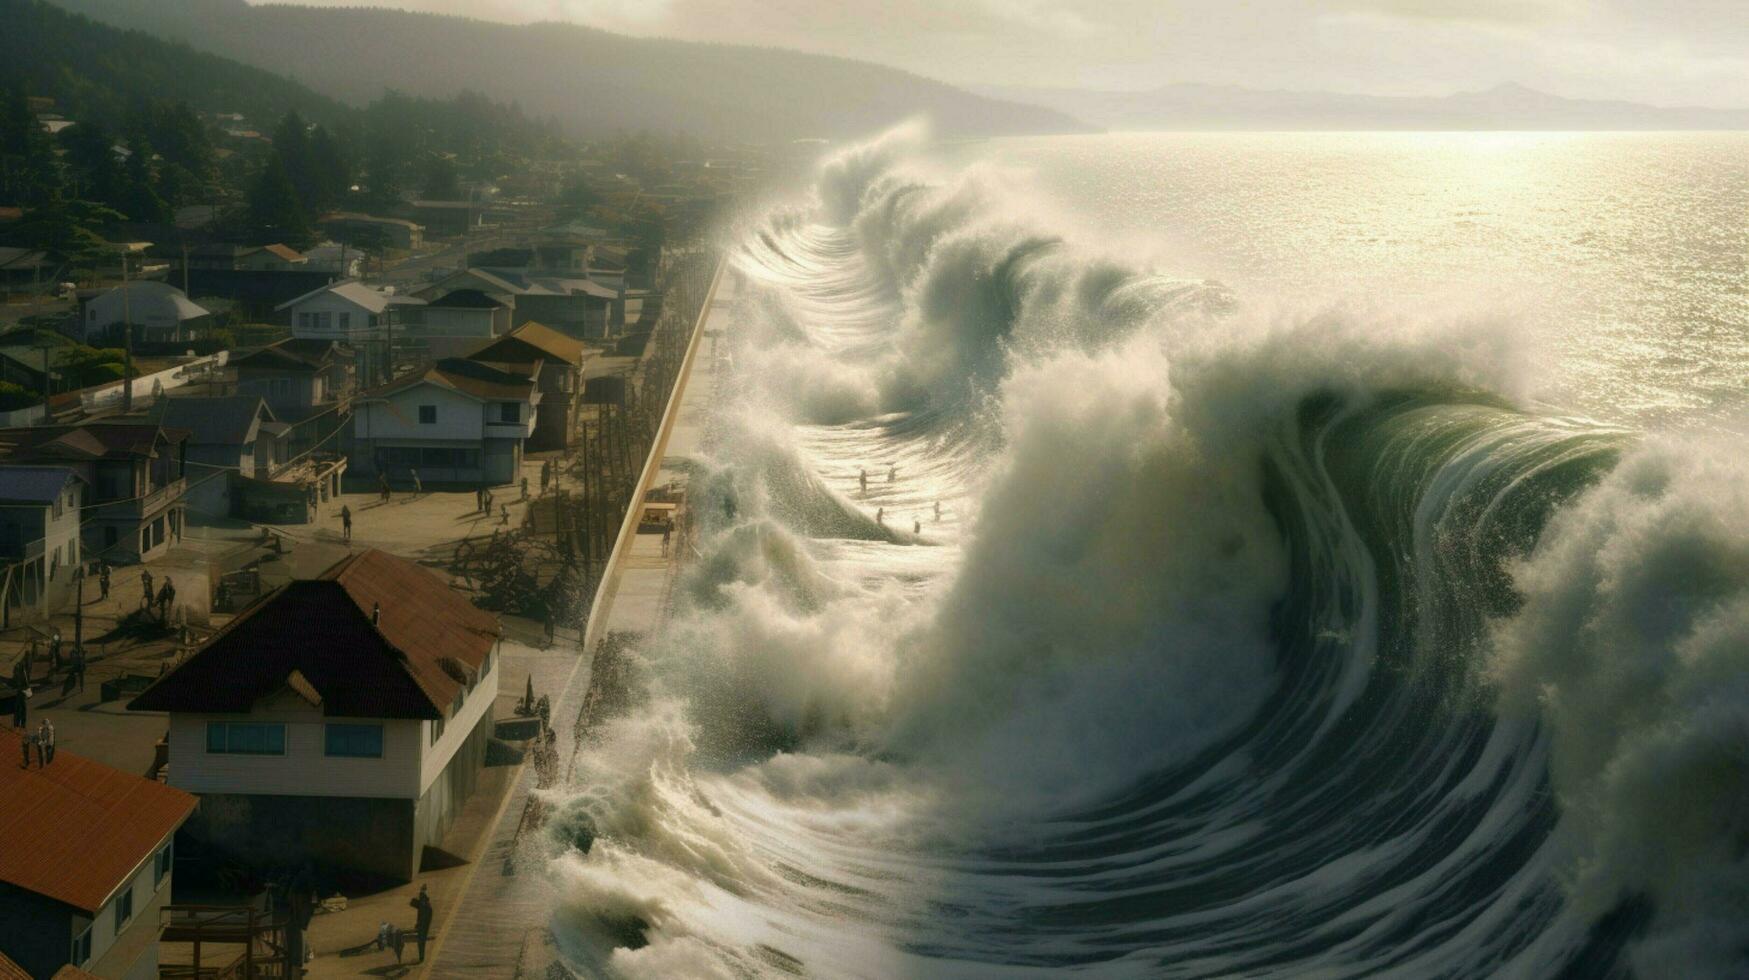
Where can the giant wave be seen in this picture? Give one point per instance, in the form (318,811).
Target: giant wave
(1262,644)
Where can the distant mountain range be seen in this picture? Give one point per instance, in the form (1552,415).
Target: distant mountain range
(1219,107)
(592,82)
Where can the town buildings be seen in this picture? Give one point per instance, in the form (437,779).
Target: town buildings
(364,318)
(455,422)
(224,439)
(86,864)
(341,721)
(134,472)
(456,322)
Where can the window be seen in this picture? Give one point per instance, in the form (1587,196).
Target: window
(82,947)
(428,415)
(436,730)
(344,320)
(244,738)
(161,865)
(355,741)
(124,907)
(324,321)
(509,412)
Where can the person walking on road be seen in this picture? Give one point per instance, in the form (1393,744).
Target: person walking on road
(345,522)
(422,920)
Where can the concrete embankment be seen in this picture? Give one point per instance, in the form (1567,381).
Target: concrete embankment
(500,928)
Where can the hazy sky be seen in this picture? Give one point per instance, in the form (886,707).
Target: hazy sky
(1659,51)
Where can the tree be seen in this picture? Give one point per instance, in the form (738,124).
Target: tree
(96,176)
(439,181)
(330,173)
(67,229)
(291,142)
(382,176)
(29,173)
(275,214)
(138,200)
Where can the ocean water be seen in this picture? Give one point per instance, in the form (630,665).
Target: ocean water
(1341,569)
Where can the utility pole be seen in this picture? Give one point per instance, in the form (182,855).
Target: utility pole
(127,332)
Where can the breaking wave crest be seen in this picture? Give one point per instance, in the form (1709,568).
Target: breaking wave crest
(1247,642)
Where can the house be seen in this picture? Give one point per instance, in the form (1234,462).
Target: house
(223,431)
(40,510)
(457,321)
(24,269)
(573,305)
(341,721)
(355,228)
(555,361)
(298,377)
(134,476)
(364,318)
(448,219)
(340,261)
(272,258)
(218,256)
(455,422)
(86,860)
(159,313)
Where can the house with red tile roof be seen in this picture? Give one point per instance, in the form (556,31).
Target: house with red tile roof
(340,721)
(86,855)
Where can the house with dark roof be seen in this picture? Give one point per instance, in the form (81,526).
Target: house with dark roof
(134,473)
(555,361)
(224,439)
(86,858)
(456,422)
(298,377)
(39,534)
(570,303)
(455,322)
(341,721)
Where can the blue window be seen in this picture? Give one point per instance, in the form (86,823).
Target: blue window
(244,738)
(355,741)
(82,947)
(161,864)
(124,907)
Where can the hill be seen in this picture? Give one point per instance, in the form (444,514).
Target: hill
(1509,107)
(98,73)
(590,81)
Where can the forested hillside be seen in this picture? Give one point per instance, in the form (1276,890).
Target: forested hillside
(593,82)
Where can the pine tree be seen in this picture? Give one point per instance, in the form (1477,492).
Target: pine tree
(291,142)
(139,199)
(332,177)
(275,212)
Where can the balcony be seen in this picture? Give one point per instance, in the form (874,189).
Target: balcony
(160,498)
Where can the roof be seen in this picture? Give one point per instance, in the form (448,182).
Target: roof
(524,284)
(301,353)
(34,484)
(71,972)
(358,294)
(12,971)
(284,251)
(530,342)
(466,299)
(221,420)
(316,637)
(90,440)
(168,299)
(470,377)
(76,829)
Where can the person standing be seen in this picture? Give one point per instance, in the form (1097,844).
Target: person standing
(20,697)
(893,473)
(418,488)
(45,743)
(881,516)
(383,486)
(166,596)
(421,920)
(345,522)
(28,742)
(862,479)
(525,488)
(146,588)
(103,577)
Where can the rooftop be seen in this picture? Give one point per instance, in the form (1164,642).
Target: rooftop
(530,342)
(76,829)
(34,484)
(221,420)
(316,638)
(466,299)
(469,377)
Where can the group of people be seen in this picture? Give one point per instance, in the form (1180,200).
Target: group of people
(390,936)
(881,512)
(163,599)
(42,742)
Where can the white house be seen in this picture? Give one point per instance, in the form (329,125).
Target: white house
(351,313)
(456,422)
(341,721)
(40,510)
(459,321)
(86,859)
(158,312)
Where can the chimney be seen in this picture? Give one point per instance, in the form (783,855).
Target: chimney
(376,614)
